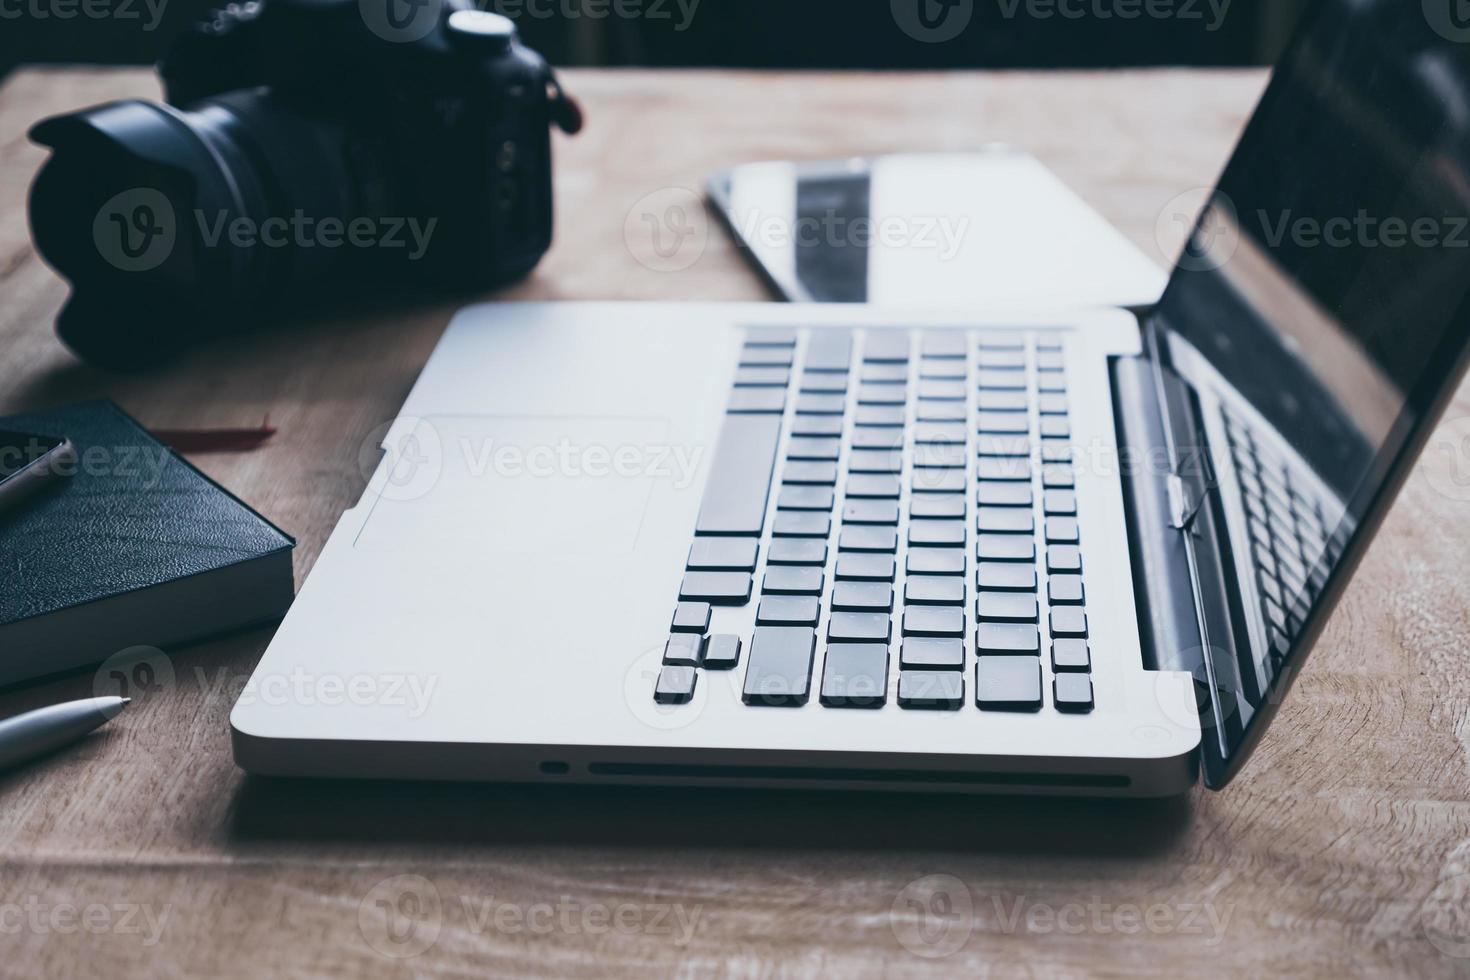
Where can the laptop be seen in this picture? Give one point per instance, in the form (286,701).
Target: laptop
(988,550)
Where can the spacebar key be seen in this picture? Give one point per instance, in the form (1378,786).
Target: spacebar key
(740,476)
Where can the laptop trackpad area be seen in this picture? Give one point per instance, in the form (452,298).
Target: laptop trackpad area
(504,485)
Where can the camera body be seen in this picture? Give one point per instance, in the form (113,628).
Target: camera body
(309,148)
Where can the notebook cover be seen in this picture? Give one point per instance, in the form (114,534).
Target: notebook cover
(132,515)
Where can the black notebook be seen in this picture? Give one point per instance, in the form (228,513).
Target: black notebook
(134,548)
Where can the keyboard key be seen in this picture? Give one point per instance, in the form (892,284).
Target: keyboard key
(1064,589)
(940,433)
(934,621)
(1008,683)
(762,377)
(675,685)
(757,401)
(1053,451)
(942,457)
(739,481)
(1007,638)
(1004,469)
(854,627)
(989,380)
(943,344)
(993,340)
(1003,494)
(1003,401)
(684,649)
(1005,520)
(864,437)
(943,391)
(752,355)
(797,551)
(947,506)
(1055,427)
(787,611)
(1063,558)
(862,597)
(801,524)
(932,653)
(855,675)
(722,652)
(829,350)
(928,411)
(1056,477)
(823,384)
(932,690)
(1072,692)
(1062,530)
(1050,360)
(870,512)
(991,445)
(1066,654)
(853,567)
(1005,547)
(1051,382)
(718,588)
(934,590)
(817,425)
(824,448)
(936,561)
(779,671)
(1003,576)
(691,617)
(1002,423)
(860,538)
(770,337)
(885,346)
(938,481)
(883,395)
(1008,360)
(821,404)
(936,534)
(874,486)
(1052,403)
(723,555)
(792,581)
(1068,621)
(875,461)
(805,498)
(1059,502)
(1006,607)
(933,369)
(884,373)
(812,474)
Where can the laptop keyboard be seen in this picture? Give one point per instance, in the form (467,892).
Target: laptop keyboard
(1292,548)
(925,508)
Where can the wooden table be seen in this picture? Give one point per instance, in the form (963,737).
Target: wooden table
(1344,847)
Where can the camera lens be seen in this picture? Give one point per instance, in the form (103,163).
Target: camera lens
(173,226)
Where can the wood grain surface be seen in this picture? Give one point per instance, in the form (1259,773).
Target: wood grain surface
(143,851)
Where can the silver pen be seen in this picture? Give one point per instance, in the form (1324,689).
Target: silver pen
(35,733)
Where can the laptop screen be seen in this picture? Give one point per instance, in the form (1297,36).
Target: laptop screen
(1327,280)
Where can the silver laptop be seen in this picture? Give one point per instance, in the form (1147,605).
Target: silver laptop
(1031,550)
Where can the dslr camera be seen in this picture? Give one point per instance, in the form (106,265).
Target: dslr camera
(310,151)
